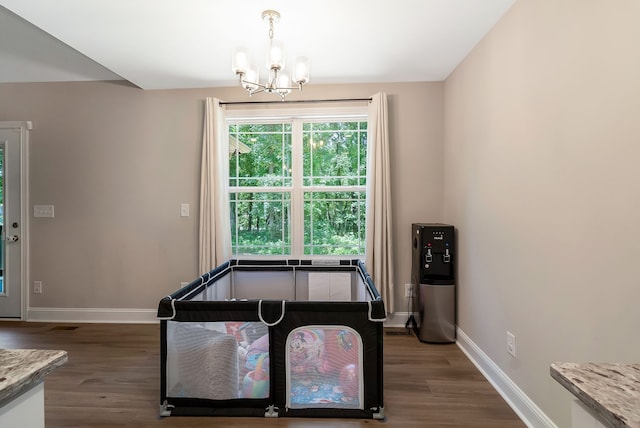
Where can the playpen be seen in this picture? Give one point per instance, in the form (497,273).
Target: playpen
(274,338)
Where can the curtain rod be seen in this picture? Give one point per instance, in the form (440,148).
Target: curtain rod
(294,101)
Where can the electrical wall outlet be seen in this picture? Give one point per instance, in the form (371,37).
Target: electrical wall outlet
(408,290)
(511,344)
(37,287)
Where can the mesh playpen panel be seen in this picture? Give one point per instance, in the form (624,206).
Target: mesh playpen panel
(218,360)
(324,367)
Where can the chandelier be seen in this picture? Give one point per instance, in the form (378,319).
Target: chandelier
(278,81)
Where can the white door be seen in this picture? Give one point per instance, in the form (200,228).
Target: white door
(13,137)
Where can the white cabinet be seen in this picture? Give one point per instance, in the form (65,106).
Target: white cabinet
(25,410)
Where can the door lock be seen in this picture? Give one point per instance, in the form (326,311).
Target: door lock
(12,238)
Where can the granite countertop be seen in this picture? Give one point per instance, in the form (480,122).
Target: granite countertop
(21,369)
(611,390)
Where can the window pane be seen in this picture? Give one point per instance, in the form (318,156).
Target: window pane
(334,153)
(260,155)
(334,223)
(260,223)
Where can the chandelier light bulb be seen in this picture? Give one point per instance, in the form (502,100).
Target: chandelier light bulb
(251,75)
(240,60)
(301,70)
(283,83)
(276,55)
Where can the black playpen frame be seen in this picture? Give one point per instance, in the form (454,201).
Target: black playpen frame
(365,317)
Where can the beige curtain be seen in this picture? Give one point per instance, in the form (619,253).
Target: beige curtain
(379,250)
(215,225)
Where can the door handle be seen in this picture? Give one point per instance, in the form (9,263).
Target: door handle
(12,238)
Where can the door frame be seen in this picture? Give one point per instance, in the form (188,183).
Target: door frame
(23,127)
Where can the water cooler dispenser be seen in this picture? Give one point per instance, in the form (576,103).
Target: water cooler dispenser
(433,272)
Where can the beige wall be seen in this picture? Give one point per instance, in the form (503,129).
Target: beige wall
(117,162)
(541,178)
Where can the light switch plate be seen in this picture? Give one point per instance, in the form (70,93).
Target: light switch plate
(43,211)
(184,210)
(511,344)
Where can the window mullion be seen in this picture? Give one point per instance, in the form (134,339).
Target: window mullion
(297,196)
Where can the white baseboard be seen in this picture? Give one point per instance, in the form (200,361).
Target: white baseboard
(397,319)
(524,407)
(93,315)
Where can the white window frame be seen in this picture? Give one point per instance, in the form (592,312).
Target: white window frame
(298,115)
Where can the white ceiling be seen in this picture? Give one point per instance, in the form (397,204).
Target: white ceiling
(163,44)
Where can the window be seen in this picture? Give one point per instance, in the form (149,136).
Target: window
(298,186)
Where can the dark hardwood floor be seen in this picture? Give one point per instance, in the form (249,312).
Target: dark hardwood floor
(112,379)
